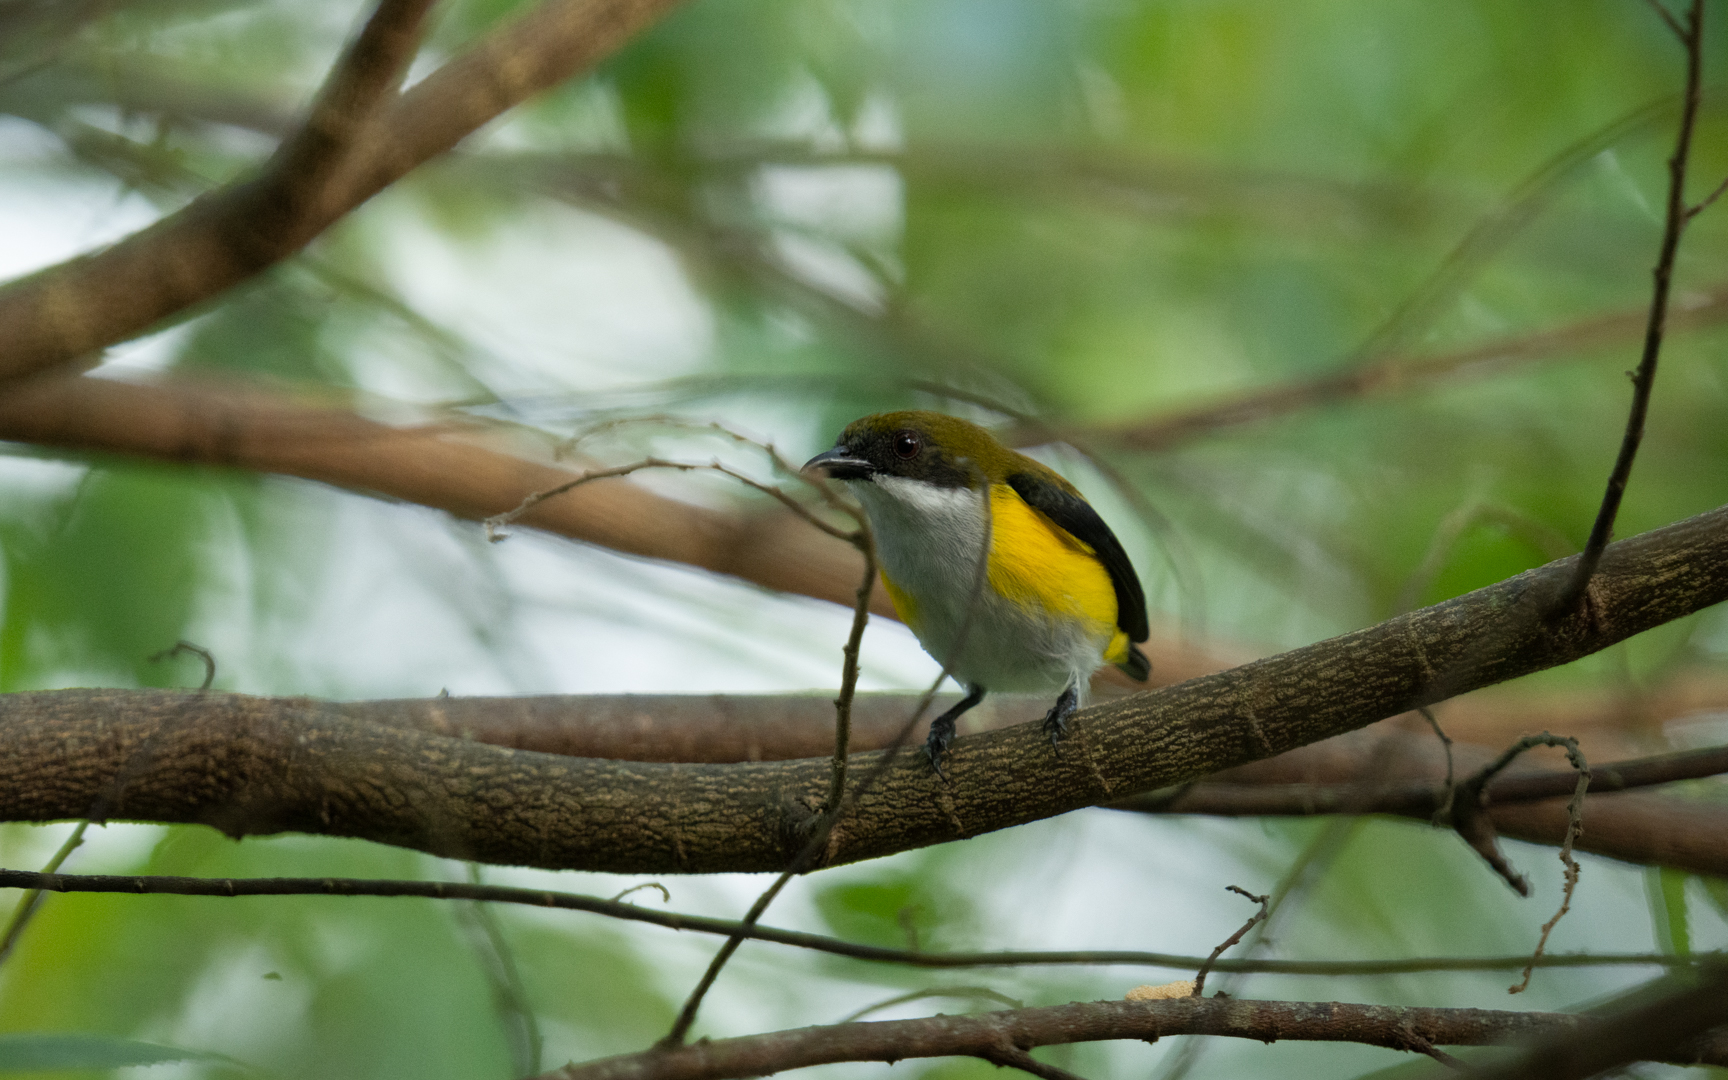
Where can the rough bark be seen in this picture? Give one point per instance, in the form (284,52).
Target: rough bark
(251,769)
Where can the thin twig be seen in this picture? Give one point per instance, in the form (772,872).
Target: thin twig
(1667,16)
(983,993)
(200,651)
(665,893)
(1260,916)
(826,823)
(32,898)
(787,468)
(508,988)
(1574,826)
(155,885)
(497,524)
(1704,204)
(866,545)
(1007,1054)
(1470,819)
(1449,789)
(1644,379)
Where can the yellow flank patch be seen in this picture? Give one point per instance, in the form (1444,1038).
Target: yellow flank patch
(1039,565)
(903,603)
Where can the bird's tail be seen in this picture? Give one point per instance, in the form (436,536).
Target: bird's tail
(1136,666)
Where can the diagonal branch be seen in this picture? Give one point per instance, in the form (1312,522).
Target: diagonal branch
(348,151)
(253,767)
(369,72)
(470,469)
(1397,373)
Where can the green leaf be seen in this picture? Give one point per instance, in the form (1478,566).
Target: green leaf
(35,1051)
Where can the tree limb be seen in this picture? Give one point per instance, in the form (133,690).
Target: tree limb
(1394,374)
(467,468)
(252,768)
(1393,1027)
(349,150)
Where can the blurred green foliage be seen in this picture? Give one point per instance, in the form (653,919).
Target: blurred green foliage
(783,214)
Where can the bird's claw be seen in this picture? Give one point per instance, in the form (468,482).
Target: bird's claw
(941,736)
(1056,720)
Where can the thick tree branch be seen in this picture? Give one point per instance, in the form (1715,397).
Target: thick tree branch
(258,770)
(1379,770)
(1393,1027)
(349,151)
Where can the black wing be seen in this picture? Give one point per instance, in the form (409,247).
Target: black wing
(1076,515)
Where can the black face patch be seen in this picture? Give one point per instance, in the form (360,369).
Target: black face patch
(908,450)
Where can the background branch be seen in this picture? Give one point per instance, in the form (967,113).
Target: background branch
(228,235)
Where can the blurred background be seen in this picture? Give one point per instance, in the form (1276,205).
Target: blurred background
(1409,244)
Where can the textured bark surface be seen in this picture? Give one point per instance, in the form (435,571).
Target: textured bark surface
(248,766)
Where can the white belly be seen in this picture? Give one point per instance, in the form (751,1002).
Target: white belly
(928,541)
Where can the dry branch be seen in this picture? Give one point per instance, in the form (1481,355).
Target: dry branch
(255,768)
(1393,1027)
(352,147)
(457,465)
(1396,374)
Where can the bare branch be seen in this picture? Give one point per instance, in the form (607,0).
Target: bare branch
(148,885)
(32,898)
(1258,918)
(1704,204)
(1644,379)
(1397,1028)
(1399,373)
(1667,16)
(1007,1054)
(326,170)
(368,73)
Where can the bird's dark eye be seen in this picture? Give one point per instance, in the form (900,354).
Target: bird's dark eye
(907,444)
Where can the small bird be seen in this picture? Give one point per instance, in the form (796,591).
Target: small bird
(1052,600)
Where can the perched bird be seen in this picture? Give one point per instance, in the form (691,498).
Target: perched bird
(1053,598)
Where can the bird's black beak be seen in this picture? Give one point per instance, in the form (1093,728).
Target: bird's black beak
(841,464)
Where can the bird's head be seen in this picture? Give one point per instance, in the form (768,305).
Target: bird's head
(930,447)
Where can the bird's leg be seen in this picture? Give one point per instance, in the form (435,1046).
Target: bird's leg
(942,728)
(1056,720)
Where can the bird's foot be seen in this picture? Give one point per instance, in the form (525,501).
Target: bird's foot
(941,735)
(1056,720)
